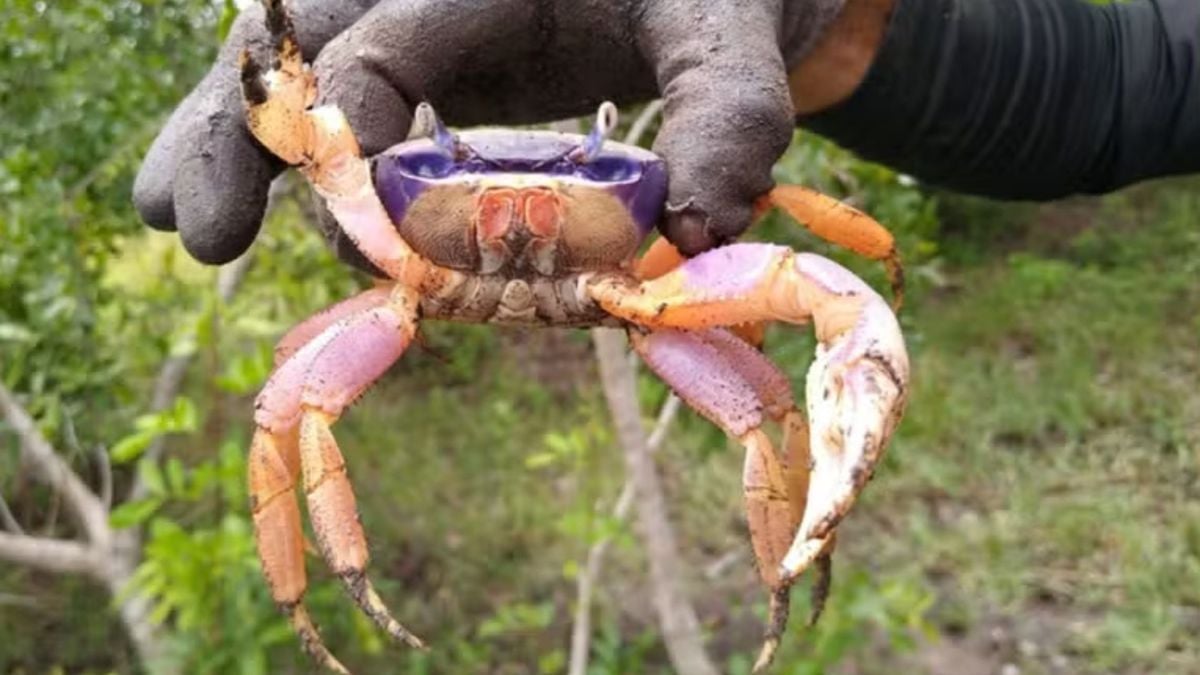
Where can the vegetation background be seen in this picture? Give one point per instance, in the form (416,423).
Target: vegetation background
(1039,511)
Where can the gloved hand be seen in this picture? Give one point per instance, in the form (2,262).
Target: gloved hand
(721,66)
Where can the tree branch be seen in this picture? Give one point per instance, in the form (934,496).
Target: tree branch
(171,373)
(60,556)
(7,519)
(85,506)
(127,546)
(676,616)
(107,556)
(581,629)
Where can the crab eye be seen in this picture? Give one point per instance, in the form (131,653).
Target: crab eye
(426,164)
(609,169)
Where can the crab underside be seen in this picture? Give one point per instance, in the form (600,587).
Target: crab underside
(541,228)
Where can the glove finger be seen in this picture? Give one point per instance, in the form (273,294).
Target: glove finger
(728,118)
(221,181)
(204,174)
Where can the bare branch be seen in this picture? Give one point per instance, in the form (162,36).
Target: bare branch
(127,546)
(676,616)
(581,628)
(15,600)
(108,556)
(84,505)
(52,555)
(666,415)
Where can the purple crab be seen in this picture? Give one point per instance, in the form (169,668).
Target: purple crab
(544,228)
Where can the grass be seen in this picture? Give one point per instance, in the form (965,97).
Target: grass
(1047,469)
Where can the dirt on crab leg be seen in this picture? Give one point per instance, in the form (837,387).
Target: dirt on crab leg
(856,388)
(293,416)
(736,387)
(320,143)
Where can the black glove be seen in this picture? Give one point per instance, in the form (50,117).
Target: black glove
(720,65)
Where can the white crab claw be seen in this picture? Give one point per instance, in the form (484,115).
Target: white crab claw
(856,391)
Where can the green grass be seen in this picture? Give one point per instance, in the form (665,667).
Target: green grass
(1048,463)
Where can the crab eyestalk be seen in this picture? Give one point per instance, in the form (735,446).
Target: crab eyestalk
(606,121)
(427,124)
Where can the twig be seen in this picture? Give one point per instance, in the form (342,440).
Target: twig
(15,600)
(106,477)
(723,564)
(639,126)
(581,628)
(85,506)
(62,556)
(676,616)
(108,556)
(135,610)
(171,374)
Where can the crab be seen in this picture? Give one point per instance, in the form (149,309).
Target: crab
(544,228)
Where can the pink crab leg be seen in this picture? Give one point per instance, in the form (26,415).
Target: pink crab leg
(737,388)
(293,415)
(304,332)
(856,387)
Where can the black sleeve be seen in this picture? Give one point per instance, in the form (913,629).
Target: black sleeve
(1029,99)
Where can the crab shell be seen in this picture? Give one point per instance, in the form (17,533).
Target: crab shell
(521,203)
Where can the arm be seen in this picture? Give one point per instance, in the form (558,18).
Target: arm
(1030,99)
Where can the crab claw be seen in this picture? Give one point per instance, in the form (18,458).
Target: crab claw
(855,392)
(856,389)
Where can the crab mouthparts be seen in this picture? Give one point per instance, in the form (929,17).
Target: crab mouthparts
(519,227)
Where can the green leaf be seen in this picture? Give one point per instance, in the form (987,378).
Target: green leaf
(131,447)
(183,416)
(14,332)
(229,13)
(133,513)
(539,460)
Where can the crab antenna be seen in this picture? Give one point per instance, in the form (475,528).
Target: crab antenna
(606,121)
(427,124)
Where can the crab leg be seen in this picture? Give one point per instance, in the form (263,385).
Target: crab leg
(304,332)
(733,385)
(320,143)
(841,224)
(294,412)
(662,257)
(856,388)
